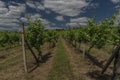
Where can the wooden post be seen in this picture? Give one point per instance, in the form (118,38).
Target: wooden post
(116,68)
(23,47)
(114,53)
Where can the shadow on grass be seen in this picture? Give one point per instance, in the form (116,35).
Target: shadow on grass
(95,60)
(45,58)
(33,68)
(98,76)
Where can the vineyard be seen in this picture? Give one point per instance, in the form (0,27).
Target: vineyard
(89,52)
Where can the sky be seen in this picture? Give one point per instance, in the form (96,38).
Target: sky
(54,13)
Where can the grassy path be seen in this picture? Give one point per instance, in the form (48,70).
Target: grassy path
(61,67)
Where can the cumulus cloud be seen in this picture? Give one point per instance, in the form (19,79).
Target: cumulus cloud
(35,5)
(117,21)
(82,19)
(67,7)
(2,4)
(23,19)
(35,16)
(12,12)
(46,23)
(3,10)
(31,4)
(5,21)
(78,21)
(20,8)
(59,18)
(41,7)
(115,1)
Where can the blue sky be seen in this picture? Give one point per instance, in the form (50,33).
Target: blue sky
(54,13)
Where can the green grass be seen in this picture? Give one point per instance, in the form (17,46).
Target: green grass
(61,67)
(13,60)
(3,51)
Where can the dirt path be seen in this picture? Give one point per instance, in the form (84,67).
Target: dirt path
(16,71)
(83,68)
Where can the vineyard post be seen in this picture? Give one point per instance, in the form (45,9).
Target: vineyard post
(23,46)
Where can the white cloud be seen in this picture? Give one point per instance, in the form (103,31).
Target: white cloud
(35,4)
(115,1)
(3,10)
(45,22)
(11,13)
(6,21)
(117,21)
(23,19)
(9,16)
(9,24)
(2,4)
(78,21)
(59,18)
(30,4)
(20,8)
(67,7)
(94,5)
(41,7)
(35,16)
(82,19)
(76,24)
